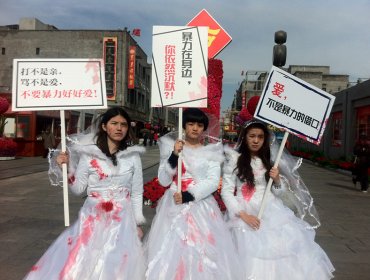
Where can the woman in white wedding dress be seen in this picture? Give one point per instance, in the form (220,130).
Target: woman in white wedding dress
(188,238)
(104,243)
(280,245)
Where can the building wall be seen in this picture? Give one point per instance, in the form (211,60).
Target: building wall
(34,39)
(348,104)
(308,68)
(80,44)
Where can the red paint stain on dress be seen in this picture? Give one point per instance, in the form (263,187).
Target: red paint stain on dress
(94,163)
(247,191)
(71,179)
(184,182)
(193,230)
(69,241)
(211,239)
(82,240)
(34,268)
(107,206)
(116,212)
(180,270)
(200,266)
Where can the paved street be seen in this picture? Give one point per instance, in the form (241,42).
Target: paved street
(31,215)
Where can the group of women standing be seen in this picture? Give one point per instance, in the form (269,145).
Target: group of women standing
(189,237)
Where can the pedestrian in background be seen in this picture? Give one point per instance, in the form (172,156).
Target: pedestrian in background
(155,138)
(104,243)
(362,162)
(48,141)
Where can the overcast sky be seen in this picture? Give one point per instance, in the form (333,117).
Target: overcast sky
(335,33)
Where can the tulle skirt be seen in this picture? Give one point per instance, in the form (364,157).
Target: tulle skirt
(282,248)
(102,244)
(190,241)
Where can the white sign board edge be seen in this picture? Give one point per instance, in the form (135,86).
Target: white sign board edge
(189,92)
(305,98)
(80,77)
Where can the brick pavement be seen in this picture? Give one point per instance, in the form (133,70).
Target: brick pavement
(31,215)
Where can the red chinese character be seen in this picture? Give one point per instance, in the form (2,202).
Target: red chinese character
(278,89)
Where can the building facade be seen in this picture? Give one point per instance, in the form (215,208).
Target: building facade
(127,75)
(349,118)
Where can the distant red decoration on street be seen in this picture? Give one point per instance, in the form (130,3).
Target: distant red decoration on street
(136,32)
(4,105)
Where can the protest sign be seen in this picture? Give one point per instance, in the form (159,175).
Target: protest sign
(59,84)
(295,105)
(179,66)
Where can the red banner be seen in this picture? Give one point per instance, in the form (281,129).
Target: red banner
(131,67)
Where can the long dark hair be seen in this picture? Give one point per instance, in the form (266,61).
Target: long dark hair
(243,165)
(102,136)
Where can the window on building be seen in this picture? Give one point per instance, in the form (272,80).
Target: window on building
(23,129)
(324,87)
(363,121)
(337,129)
(37,51)
(2,51)
(132,95)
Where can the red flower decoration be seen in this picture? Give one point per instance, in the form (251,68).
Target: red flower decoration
(153,191)
(245,115)
(8,148)
(252,104)
(4,105)
(214,87)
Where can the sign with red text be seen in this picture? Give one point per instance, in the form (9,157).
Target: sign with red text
(218,38)
(131,67)
(58,84)
(179,66)
(295,105)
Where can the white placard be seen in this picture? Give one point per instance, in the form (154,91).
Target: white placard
(295,105)
(58,84)
(179,66)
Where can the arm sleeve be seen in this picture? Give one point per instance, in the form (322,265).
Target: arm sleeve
(166,171)
(78,180)
(173,160)
(207,185)
(280,189)
(137,191)
(229,180)
(187,197)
